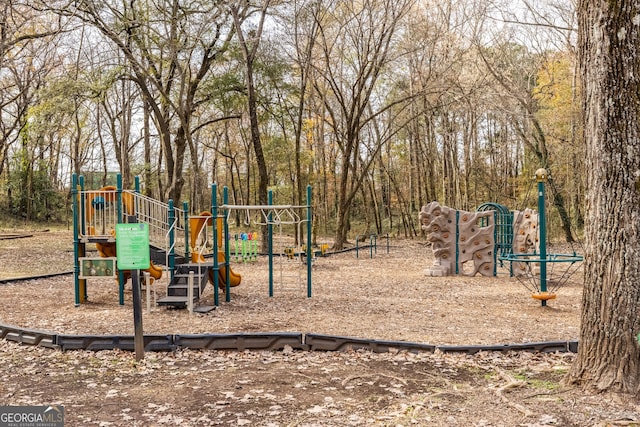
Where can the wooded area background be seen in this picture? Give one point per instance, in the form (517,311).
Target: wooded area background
(381,105)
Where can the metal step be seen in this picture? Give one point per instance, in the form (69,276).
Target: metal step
(180,284)
(179,290)
(175,301)
(179,287)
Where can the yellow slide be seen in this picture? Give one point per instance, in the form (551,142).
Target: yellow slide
(195,226)
(234,278)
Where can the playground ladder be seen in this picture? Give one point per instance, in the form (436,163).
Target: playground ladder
(178,289)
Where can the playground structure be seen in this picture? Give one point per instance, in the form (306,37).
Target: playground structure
(373,243)
(245,246)
(199,241)
(174,239)
(459,239)
(271,216)
(171,342)
(541,272)
(180,244)
(494,234)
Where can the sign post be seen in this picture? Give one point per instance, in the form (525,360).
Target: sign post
(132,248)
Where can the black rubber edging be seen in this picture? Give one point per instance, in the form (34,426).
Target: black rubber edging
(241,341)
(538,347)
(14,236)
(28,336)
(257,341)
(112,342)
(41,276)
(337,343)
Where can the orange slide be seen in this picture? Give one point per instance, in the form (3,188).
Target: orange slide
(234,278)
(195,226)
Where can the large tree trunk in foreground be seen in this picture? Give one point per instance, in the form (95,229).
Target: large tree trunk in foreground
(609,42)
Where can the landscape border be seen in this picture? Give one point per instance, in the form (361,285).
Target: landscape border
(259,341)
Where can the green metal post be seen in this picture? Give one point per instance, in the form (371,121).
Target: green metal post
(76,239)
(309,228)
(119,197)
(237,250)
(372,242)
(187,244)
(83,225)
(457,240)
(82,217)
(254,237)
(121,281)
(216,267)
(185,216)
(137,183)
(541,177)
(225,233)
(270,243)
(171,217)
(245,253)
(495,243)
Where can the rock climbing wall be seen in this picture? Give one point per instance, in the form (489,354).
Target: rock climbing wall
(475,240)
(525,238)
(525,231)
(440,224)
(476,243)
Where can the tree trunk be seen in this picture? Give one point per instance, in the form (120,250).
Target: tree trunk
(609,40)
(263,175)
(250,50)
(146,133)
(342,227)
(344,208)
(175,172)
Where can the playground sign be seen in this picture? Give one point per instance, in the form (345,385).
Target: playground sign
(97,267)
(132,246)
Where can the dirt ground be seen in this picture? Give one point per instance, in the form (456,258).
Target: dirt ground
(386,296)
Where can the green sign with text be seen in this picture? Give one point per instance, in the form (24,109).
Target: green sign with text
(132,246)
